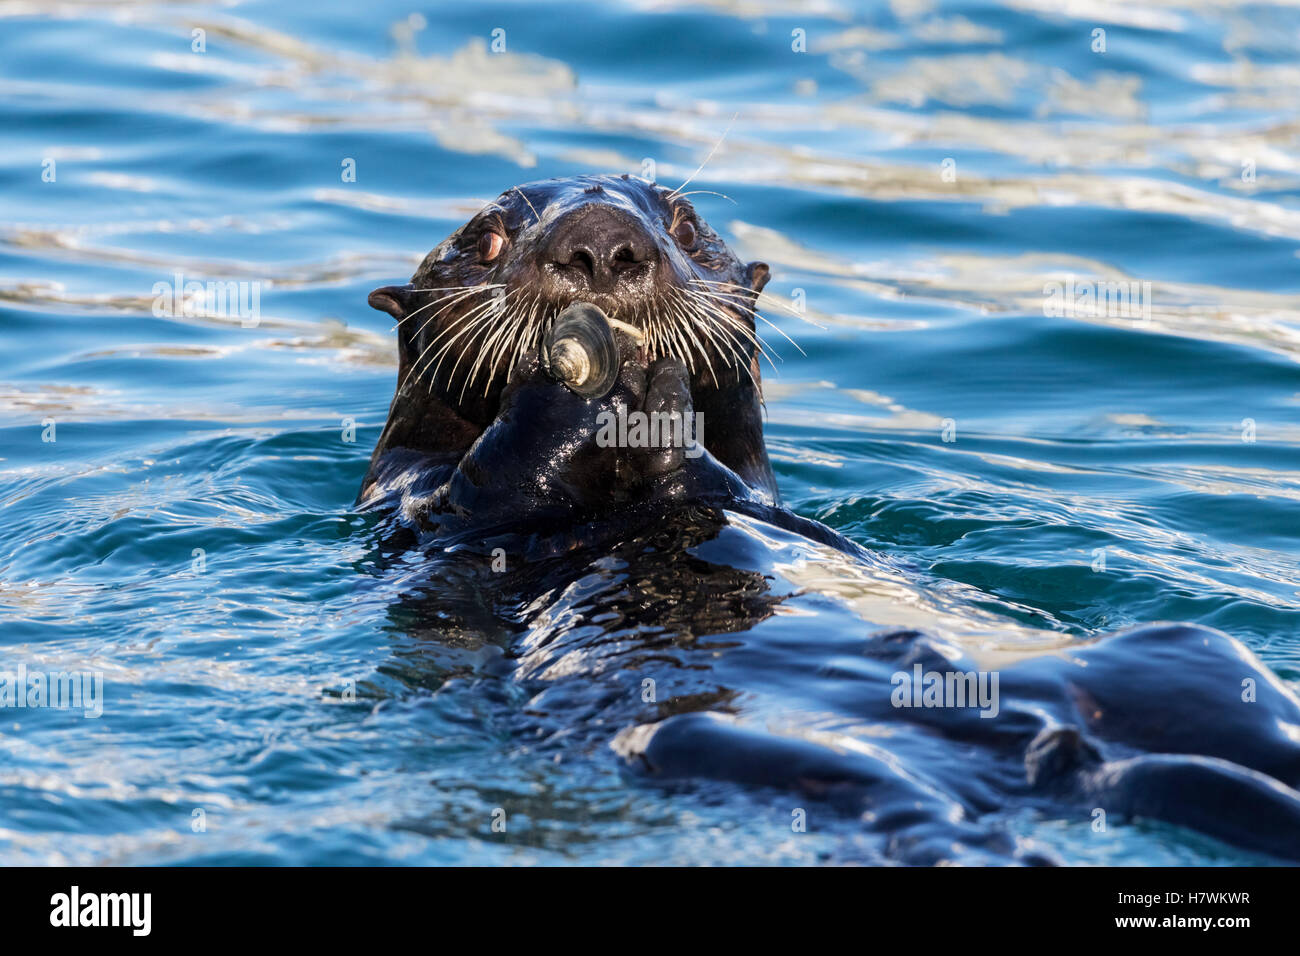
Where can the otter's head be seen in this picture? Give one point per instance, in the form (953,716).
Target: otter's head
(488,293)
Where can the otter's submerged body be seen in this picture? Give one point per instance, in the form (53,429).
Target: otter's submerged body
(631,534)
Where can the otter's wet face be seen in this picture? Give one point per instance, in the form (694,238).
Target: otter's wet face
(635,249)
(488,294)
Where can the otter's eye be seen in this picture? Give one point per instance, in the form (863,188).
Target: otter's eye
(489,246)
(684,232)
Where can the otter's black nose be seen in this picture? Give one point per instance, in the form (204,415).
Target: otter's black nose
(599,245)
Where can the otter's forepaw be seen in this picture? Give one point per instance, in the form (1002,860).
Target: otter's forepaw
(670,419)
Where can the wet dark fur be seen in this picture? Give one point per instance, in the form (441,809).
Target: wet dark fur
(633,565)
(600,239)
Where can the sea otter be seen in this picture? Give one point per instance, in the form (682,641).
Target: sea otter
(635,566)
(478,434)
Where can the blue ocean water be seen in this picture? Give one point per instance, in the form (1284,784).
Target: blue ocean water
(926,180)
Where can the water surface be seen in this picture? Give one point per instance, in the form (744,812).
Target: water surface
(916,178)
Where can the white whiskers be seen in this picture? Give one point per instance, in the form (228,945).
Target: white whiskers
(708,325)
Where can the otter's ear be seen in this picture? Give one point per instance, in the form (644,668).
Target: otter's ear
(393,299)
(757,274)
